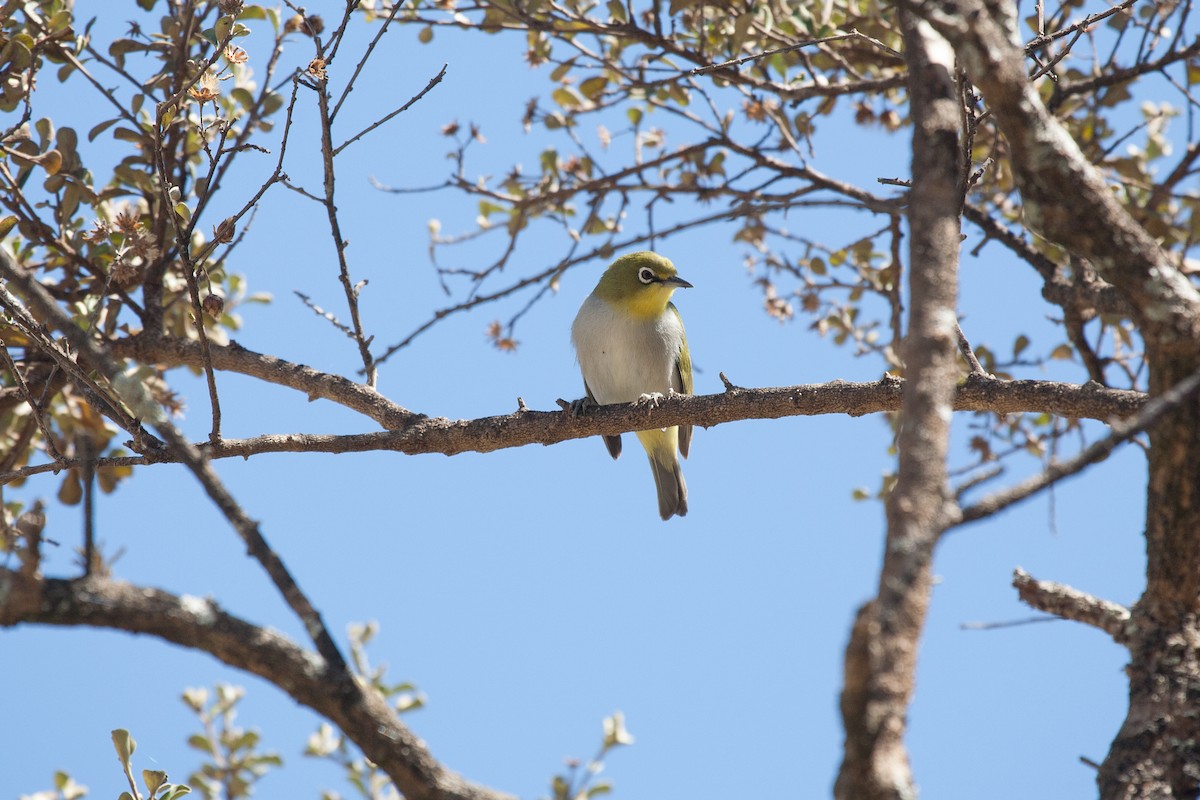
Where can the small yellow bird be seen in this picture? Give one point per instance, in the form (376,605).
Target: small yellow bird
(631,347)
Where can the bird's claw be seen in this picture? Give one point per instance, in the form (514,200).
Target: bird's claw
(581,406)
(651,399)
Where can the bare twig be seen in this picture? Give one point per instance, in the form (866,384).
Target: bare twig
(1122,431)
(434,81)
(964,347)
(853,34)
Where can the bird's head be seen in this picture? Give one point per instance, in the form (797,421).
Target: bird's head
(640,283)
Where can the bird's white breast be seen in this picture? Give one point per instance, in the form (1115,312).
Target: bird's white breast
(623,357)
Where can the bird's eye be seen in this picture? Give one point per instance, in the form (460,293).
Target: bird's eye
(646,275)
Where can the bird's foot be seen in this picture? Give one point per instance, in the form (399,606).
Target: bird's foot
(651,399)
(581,406)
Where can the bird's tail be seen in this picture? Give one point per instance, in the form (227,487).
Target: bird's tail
(668,476)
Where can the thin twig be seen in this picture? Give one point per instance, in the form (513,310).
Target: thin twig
(853,34)
(434,81)
(1122,430)
(964,347)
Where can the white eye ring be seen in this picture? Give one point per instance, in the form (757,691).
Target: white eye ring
(646,275)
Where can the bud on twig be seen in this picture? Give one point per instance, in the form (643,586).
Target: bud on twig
(223,233)
(213,305)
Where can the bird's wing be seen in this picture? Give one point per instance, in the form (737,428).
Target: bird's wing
(683,377)
(613,443)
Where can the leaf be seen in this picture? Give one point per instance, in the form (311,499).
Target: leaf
(1062,353)
(51,161)
(592,88)
(71,490)
(272,103)
(124,744)
(566,98)
(154,779)
(101,128)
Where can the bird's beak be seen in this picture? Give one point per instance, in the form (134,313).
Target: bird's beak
(675,280)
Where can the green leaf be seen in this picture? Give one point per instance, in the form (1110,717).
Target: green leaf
(593,87)
(154,779)
(566,98)
(272,103)
(124,744)
(223,28)
(560,72)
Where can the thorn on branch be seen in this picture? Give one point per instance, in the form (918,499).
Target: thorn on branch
(521,407)
(729,386)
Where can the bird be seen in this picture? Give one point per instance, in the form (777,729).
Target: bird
(631,347)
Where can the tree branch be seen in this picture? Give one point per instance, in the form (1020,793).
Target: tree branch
(176,352)
(136,396)
(1067,603)
(881,658)
(201,624)
(979,393)
(1122,430)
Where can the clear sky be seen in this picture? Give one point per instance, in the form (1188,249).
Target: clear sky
(529,593)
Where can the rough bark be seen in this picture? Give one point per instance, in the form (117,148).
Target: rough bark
(199,623)
(486,434)
(1155,753)
(882,655)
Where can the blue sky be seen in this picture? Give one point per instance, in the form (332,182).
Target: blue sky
(531,592)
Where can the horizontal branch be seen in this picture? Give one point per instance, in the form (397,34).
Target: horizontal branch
(1150,413)
(440,435)
(175,352)
(1067,603)
(201,624)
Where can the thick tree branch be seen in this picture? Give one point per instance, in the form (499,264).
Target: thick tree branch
(881,658)
(137,397)
(200,624)
(1056,180)
(979,393)
(1068,201)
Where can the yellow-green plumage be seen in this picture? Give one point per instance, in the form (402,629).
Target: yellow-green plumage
(630,341)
